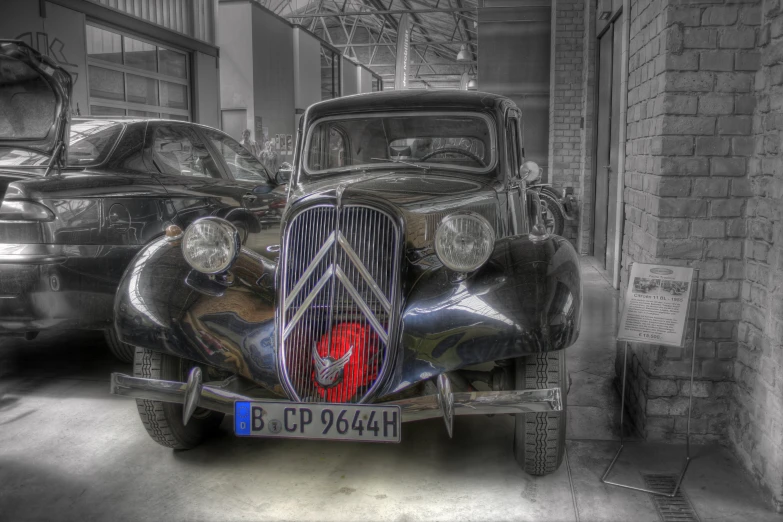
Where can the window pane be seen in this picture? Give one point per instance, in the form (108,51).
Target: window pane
(98,110)
(240,162)
(143,114)
(173,63)
(384,141)
(19,158)
(106,84)
(142,90)
(174,117)
(104,45)
(173,95)
(336,149)
(328,62)
(178,150)
(139,54)
(91,141)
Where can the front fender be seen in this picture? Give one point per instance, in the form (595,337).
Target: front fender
(526,299)
(566,204)
(165,306)
(240,214)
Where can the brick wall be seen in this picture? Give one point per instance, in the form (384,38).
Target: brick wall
(689,140)
(756,420)
(565,118)
(645,46)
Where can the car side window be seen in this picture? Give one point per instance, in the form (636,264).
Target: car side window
(336,148)
(178,150)
(513,146)
(329,153)
(241,163)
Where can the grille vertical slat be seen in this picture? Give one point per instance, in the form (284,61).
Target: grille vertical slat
(374,238)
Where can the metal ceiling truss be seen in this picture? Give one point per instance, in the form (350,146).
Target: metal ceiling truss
(366,32)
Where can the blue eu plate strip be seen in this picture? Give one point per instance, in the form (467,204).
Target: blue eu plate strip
(242,418)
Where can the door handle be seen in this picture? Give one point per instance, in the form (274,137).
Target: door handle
(250,198)
(608,167)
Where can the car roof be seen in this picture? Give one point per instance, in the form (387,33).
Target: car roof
(410,100)
(132,119)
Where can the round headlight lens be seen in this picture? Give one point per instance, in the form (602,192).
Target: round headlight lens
(210,245)
(464,241)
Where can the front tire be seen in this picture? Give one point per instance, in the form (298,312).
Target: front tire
(539,438)
(553,217)
(122,351)
(163,420)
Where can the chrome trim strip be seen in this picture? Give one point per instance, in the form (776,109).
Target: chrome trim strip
(309,271)
(377,326)
(31,259)
(364,272)
(308,300)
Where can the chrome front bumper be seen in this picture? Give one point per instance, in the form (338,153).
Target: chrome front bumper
(445,403)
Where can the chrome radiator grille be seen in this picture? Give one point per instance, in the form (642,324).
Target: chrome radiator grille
(338,289)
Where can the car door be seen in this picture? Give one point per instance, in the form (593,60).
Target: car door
(194,179)
(254,186)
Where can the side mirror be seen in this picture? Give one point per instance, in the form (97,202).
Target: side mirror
(283,175)
(530,171)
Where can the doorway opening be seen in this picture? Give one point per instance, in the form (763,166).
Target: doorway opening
(607,144)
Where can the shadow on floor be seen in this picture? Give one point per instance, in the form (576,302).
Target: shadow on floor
(69,450)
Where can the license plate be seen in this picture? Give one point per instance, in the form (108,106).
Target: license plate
(365,422)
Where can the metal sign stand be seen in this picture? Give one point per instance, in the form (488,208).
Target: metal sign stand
(690,410)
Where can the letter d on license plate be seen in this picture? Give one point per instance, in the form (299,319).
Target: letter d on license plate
(287,420)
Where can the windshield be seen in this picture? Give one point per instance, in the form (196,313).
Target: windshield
(90,143)
(423,140)
(242,164)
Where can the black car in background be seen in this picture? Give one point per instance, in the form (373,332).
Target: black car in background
(75,212)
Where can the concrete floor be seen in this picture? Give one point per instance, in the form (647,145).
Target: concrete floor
(69,450)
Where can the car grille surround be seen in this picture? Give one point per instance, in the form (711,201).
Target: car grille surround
(338,297)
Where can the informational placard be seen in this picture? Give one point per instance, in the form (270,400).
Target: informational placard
(656,304)
(289,144)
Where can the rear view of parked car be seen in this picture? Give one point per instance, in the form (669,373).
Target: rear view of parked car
(80,198)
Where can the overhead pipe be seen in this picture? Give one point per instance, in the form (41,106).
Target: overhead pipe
(330,14)
(384,44)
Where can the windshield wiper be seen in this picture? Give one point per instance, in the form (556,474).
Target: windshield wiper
(397,160)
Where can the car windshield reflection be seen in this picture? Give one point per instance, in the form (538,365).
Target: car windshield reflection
(90,143)
(453,141)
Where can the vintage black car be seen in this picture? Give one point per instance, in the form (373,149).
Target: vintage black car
(75,211)
(415,280)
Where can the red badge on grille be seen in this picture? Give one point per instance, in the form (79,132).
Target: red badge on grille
(351,363)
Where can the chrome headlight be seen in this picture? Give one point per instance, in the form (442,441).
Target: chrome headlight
(530,171)
(211,245)
(464,241)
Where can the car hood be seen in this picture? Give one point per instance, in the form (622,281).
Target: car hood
(406,189)
(35,96)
